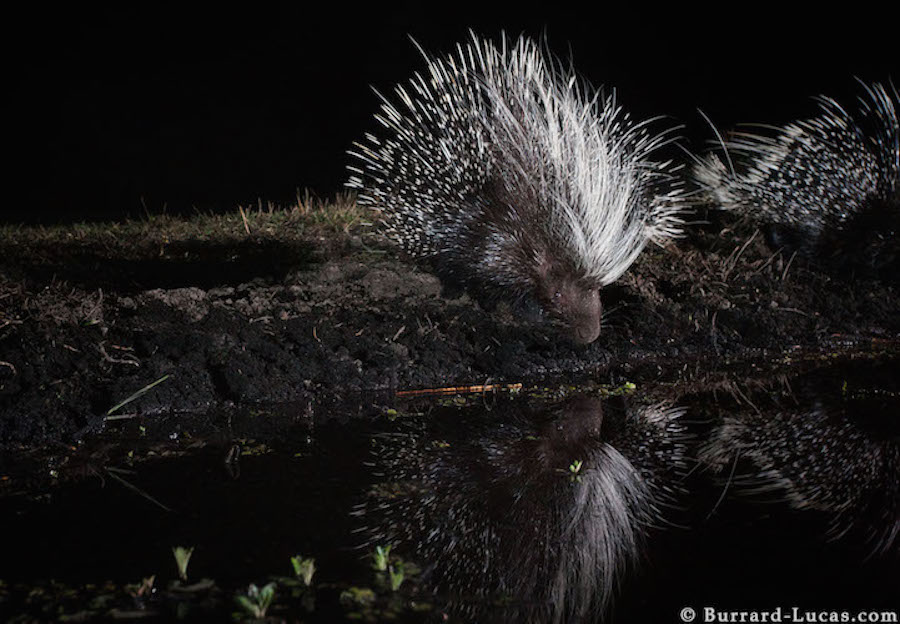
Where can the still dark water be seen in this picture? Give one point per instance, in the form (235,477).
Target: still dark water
(626,506)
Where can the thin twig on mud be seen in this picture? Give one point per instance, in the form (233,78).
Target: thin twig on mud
(138,394)
(459,390)
(90,316)
(737,390)
(424,329)
(128,416)
(130,360)
(15,372)
(767,262)
(792,310)
(732,260)
(784,275)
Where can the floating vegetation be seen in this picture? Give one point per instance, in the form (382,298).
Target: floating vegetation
(182,558)
(256,601)
(304,568)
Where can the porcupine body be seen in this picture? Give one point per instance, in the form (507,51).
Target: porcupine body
(828,445)
(517,181)
(496,511)
(827,187)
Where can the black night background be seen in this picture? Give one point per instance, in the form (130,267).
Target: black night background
(121,110)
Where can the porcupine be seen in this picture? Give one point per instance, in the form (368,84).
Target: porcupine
(827,187)
(517,181)
(824,442)
(502,510)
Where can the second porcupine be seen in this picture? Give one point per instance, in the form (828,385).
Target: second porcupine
(517,181)
(827,187)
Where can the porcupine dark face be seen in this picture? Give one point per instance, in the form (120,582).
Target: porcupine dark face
(517,181)
(545,508)
(524,261)
(570,298)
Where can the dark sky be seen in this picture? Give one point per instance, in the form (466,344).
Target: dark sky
(211,109)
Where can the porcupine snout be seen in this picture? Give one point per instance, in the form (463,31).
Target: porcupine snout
(585,319)
(575,304)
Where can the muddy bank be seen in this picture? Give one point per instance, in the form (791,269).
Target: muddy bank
(275,307)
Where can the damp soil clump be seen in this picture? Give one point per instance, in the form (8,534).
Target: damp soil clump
(171,315)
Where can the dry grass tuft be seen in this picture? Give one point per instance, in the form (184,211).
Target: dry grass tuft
(308,219)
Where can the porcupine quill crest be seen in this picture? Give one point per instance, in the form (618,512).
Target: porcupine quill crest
(828,186)
(516,180)
(492,511)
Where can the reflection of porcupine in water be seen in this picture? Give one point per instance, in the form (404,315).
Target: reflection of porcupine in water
(496,505)
(828,186)
(517,181)
(828,452)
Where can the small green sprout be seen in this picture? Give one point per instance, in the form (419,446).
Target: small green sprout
(257,600)
(182,558)
(304,568)
(575,470)
(381,556)
(396,575)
